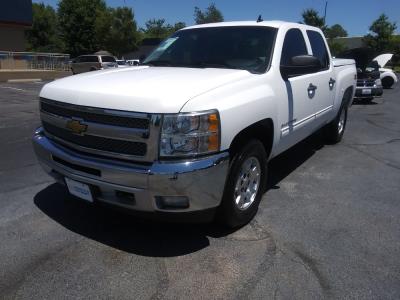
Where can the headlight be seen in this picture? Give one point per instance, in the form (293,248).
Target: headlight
(190,134)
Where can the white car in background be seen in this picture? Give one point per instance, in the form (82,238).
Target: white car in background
(133,62)
(388,77)
(122,63)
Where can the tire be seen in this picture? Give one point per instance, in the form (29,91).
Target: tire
(248,173)
(334,131)
(387,82)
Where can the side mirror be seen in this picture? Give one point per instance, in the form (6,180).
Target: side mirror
(300,65)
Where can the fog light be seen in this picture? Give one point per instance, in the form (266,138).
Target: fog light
(172,202)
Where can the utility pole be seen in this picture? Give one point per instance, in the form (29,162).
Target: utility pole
(326,5)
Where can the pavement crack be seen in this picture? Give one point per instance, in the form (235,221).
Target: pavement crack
(311,265)
(373,157)
(374,144)
(380,126)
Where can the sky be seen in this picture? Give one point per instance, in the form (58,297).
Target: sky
(354,15)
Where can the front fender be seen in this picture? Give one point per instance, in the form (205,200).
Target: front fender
(240,105)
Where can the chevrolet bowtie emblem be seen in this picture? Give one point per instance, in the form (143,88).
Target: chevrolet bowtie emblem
(76,126)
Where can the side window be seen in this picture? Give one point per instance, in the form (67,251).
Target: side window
(293,45)
(108,59)
(318,48)
(92,59)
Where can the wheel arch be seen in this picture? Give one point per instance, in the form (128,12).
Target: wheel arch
(348,95)
(262,130)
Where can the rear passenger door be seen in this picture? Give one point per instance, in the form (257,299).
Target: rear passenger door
(324,80)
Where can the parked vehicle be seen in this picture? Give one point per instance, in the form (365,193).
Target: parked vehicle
(369,84)
(122,63)
(387,76)
(190,132)
(86,63)
(133,62)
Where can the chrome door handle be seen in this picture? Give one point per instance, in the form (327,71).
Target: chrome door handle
(311,90)
(312,87)
(331,83)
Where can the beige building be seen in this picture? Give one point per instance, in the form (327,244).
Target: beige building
(15,18)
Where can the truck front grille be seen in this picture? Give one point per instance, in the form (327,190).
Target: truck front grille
(141,123)
(109,133)
(95,142)
(365,82)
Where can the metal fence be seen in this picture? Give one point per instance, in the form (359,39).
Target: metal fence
(34,61)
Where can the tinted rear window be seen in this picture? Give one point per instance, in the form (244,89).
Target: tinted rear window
(108,59)
(318,47)
(88,58)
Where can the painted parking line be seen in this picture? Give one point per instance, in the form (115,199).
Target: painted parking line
(12,88)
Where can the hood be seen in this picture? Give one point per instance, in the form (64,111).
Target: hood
(140,89)
(362,56)
(383,59)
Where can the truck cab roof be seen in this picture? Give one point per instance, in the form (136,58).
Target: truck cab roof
(272,23)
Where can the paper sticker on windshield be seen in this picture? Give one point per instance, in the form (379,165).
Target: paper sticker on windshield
(167,43)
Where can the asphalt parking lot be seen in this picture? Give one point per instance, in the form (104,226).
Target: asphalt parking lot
(328,227)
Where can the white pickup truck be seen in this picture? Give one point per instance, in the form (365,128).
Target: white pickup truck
(190,131)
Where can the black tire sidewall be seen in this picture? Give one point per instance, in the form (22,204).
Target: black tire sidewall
(387,82)
(229,213)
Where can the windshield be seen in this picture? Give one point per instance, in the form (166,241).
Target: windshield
(235,47)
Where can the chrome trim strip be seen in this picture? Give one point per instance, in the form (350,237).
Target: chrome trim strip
(97,110)
(297,124)
(324,110)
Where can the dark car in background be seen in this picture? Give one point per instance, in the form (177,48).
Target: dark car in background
(369,84)
(86,63)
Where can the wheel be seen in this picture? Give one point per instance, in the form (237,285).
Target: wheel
(387,82)
(334,131)
(245,185)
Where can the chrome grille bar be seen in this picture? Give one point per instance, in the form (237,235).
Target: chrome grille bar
(110,133)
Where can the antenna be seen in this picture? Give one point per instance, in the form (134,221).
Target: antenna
(326,5)
(260,19)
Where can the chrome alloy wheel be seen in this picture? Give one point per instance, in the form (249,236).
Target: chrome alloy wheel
(247,183)
(342,120)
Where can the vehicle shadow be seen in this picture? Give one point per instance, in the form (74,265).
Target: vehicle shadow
(121,230)
(284,164)
(364,102)
(149,238)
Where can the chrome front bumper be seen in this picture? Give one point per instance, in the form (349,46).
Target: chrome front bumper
(202,180)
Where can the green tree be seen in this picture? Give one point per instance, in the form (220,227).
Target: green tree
(335,31)
(178,26)
(211,15)
(336,46)
(122,34)
(311,17)
(44,36)
(79,26)
(381,34)
(157,28)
